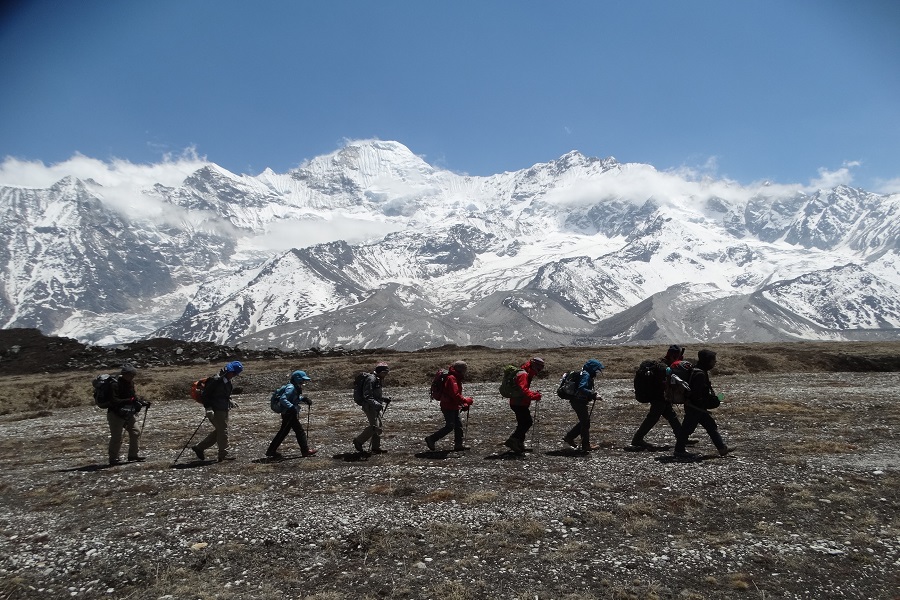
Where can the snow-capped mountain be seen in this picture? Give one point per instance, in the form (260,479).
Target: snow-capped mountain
(371,246)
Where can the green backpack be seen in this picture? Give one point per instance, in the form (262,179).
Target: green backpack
(508,387)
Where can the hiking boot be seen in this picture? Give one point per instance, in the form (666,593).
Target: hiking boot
(643,444)
(115,461)
(461,448)
(224,457)
(309,452)
(198,452)
(590,448)
(275,455)
(684,454)
(725,451)
(513,444)
(570,442)
(430,443)
(136,459)
(378,451)
(359,447)
(691,442)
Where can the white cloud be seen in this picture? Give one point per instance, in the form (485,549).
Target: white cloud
(831,179)
(887,186)
(121,183)
(35,174)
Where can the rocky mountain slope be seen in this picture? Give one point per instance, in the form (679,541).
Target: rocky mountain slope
(371,246)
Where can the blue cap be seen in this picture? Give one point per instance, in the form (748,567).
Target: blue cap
(300,376)
(234,366)
(593,365)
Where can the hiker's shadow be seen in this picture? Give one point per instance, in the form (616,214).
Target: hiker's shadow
(88,468)
(270,460)
(433,454)
(568,453)
(352,456)
(678,459)
(193,464)
(508,455)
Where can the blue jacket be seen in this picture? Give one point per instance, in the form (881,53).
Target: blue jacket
(290,398)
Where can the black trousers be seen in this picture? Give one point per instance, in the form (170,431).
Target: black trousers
(289,420)
(583,426)
(523,422)
(452,423)
(692,418)
(658,408)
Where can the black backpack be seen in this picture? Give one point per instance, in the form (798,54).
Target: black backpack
(568,385)
(650,381)
(358,385)
(678,382)
(103,390)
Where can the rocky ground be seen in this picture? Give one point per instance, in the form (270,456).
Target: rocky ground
(807,506)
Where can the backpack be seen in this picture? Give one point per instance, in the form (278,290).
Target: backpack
(103,390)
(508,387)
(358,385)
(649,381)
(678,382)
(437,384)
(275,401)
(197,389)
(568,385)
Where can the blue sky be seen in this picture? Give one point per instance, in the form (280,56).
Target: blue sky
(784,90)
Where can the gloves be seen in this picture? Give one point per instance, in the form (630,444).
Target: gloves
(232,404)
(305,400)
(210,414)
(538,399)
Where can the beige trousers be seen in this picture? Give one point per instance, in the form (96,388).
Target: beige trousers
(219,435)
(116,426)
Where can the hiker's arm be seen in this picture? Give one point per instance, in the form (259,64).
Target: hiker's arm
(527,392)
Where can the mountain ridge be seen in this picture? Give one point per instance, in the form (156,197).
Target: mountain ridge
(555,253)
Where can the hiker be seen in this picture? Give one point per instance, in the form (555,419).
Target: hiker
(452,402)
(288,404)
(659,406)
(584,394)
(700,400)
(124,406)
(521,403)
(367,392)
(217,402)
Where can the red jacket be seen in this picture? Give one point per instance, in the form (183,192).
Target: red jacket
(523,380)
(451,396)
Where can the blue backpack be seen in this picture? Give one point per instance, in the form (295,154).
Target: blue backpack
(275,401)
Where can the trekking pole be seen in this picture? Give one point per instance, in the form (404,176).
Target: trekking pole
(144,422)
(308,408)
(466,428)
(189,440)
(535,434)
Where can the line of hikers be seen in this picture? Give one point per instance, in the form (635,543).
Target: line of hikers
(661,383)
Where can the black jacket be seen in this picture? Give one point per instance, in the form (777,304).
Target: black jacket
(217,393)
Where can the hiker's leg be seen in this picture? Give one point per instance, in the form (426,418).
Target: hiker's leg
(457,430)
(523,422)
(134,436)
(220,422)
(672,417)
(282,433)
(584,423)
(709,424)
(652,418)
(116,425)
(691,419)
(295,424)
(448,425)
